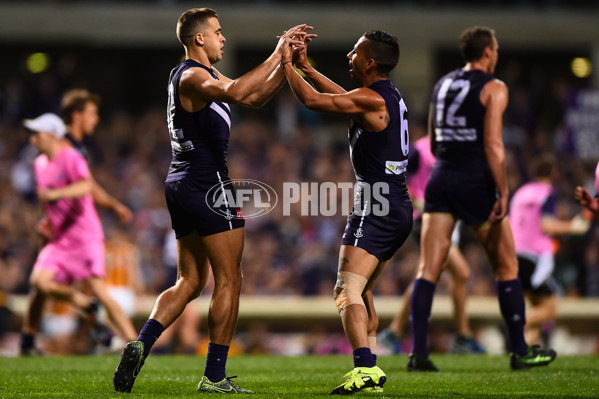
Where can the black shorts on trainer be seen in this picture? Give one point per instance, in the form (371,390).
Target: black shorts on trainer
(527,268)
(191,209)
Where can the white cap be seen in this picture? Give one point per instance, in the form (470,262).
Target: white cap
(47,123)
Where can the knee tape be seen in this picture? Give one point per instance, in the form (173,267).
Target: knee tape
(351,286)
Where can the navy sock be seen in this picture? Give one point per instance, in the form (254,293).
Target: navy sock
(363,358)
(374,357)
(27,341)
(149,333)
(511,303)
(216,360)
(421,303)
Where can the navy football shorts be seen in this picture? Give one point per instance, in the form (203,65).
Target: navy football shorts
(468,195)
(380,236)
(191,209)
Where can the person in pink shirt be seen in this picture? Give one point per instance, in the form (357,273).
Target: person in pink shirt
(534,225)
(75,247)
(420,163)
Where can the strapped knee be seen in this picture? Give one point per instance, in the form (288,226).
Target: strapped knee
(348,290)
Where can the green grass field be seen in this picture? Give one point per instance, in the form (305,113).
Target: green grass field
(462,376)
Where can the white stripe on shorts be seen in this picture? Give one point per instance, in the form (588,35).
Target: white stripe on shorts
(222,187)
(361,222)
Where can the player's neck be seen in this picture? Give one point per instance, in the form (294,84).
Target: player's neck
(476,65)
(370,79)
(200,57)
(76,132)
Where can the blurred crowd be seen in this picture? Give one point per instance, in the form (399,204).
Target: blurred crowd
(284,255)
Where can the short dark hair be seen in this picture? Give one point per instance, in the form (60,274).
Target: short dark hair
(190,21)
(383,48)
(75,100)
(473,42)
(544,165)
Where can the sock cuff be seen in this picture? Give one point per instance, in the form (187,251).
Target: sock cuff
(218,347)
(155,323)
(425,283)
(509,283)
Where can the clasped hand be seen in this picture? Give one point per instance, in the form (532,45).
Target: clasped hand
(292,44)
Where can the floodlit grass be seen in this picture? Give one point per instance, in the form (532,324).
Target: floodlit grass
(461,376)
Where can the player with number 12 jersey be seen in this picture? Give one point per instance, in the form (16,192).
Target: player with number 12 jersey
(458,131)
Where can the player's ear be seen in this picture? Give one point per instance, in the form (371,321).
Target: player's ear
(487,52)
(199,39)
(370,64)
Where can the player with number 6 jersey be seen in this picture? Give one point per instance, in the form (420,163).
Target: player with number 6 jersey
(380,159)
(381,219)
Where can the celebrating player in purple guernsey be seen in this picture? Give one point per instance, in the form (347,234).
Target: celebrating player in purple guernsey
(199,122)
(377,227)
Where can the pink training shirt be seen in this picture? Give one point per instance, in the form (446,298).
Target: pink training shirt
(75,222)
(417,180)
(526,212)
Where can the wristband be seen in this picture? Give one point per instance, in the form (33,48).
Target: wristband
(283,63)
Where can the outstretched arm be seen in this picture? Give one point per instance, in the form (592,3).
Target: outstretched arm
(267,90)
(556,227)
(276,78)
(354,102)
(105,200)
(320,82)
(73,190)
(494,97)
(197,84)
(364,105)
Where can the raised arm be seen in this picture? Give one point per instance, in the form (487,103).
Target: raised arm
(358,101)
(276,78)
(364,105)
(320,82)
(494,97)
(266,90)
(200,88)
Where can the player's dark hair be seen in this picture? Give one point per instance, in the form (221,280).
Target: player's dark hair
(383,48)
(190,22)
(473,42)
(544,165)
(75,100)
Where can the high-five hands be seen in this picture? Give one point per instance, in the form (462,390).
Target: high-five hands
(293,41)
